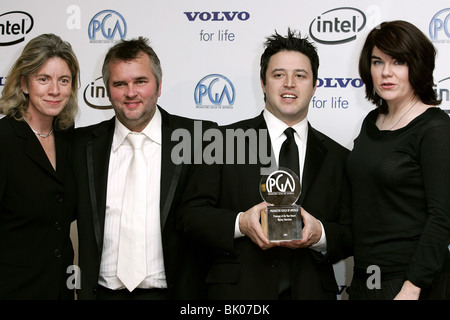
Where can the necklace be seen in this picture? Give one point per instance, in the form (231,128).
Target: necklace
(42,135)
(400,117)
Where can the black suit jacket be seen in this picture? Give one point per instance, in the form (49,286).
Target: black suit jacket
(241,270)
(37,206)
(92,146)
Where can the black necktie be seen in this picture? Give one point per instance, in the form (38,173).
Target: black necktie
(288,159)
(289,153)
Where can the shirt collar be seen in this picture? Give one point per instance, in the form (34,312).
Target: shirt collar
(276,127)
(151,131)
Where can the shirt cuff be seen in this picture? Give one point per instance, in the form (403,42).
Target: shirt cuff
(237,230)
(321,245)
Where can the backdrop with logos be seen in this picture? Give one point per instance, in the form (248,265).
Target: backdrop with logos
(210,53)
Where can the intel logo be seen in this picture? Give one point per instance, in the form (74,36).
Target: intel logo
(442,89)
(214,90)
(95,96)
(14,26)
(337,26)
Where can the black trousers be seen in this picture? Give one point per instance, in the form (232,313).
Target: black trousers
(358,290)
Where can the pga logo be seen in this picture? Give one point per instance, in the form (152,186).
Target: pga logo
(440,26)
(214,90)
(108,25)
(280,181)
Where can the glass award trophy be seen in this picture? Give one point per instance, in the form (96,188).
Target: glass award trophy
(281,221)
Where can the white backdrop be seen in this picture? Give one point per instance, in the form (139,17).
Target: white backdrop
(210,50)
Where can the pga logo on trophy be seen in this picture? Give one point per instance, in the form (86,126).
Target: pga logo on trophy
(281,221)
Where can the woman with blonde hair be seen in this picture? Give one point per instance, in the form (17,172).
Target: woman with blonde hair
(37,192)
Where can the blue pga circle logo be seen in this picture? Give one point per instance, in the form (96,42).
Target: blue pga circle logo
(107,24)
(214,91)
(439,28)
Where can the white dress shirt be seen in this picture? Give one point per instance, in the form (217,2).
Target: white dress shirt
(121,154)
(276,129)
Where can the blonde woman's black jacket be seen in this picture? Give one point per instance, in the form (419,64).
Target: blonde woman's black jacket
(37,206)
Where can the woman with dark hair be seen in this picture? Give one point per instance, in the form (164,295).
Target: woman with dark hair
(37,190)
(399,171)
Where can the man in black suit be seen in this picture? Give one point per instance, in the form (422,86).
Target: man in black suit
(222,204)
(102,156)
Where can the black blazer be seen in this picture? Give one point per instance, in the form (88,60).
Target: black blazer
(92,146)
(241,270)
(37,206)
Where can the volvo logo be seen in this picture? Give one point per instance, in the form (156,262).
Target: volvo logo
(218,15)
(339,82)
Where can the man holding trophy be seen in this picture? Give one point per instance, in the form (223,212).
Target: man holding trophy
(275,228)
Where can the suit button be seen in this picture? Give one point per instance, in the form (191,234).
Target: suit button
(57,226)
(274,263)
(59,198)
(57,253)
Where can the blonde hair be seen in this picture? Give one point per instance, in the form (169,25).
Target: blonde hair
(14,103)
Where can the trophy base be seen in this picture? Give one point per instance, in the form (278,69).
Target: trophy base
(282,223)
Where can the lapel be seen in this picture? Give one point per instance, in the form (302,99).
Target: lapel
(263,149)
(34,150)
(98,150)
(170,173)
(62,149)
(315,155)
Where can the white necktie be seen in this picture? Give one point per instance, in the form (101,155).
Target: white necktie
(131,264)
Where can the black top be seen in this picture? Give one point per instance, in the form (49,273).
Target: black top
(401,197)
(37,206)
